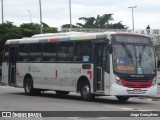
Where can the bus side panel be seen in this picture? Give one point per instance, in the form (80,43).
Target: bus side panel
(68,75)
(60,76)
(4,73)
(43,74)
(107,83)
(21,70)
(109,77)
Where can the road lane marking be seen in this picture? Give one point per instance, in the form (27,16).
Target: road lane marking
(123,108)
(39,118)
(127,108)
(6,87)
(10,87)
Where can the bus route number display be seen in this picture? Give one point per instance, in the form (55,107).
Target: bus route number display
(132,39)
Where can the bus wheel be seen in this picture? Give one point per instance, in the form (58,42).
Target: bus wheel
(86,92)
(28,86)
(122,98)
(62,92)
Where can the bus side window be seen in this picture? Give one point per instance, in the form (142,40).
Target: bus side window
(23,53)
(65,51)
(82,51)
(49,52)
(107,59)
(6,53)
(35,52)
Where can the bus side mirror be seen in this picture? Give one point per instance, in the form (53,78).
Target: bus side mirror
(110,49)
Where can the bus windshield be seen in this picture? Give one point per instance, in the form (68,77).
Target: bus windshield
(134,59)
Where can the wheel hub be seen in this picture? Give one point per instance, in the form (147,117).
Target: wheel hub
(85,91)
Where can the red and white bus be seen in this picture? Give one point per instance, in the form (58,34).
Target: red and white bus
(93,64)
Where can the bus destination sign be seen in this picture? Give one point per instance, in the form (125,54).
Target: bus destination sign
(132,39)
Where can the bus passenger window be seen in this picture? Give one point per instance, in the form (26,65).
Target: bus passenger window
(65,51)
(35,52)
(23,53)
(49,52)
(6,53)
(82,52)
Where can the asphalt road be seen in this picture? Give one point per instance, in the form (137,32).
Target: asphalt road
(14,99)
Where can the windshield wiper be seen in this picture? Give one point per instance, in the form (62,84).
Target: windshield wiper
(128,52)
(140,55)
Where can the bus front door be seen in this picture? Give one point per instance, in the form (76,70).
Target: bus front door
(101,68)
(12,66)
(100,51)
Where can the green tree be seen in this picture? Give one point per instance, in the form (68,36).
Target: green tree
(8,31)
(103,21)
(100,22)
(118,25)
(68,26)
(89,22)
(30,29)
(48,29)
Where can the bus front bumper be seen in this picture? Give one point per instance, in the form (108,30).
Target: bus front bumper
(118,90)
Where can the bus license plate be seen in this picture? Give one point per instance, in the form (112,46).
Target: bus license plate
(137,90)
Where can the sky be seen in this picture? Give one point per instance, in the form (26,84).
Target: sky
(56,12)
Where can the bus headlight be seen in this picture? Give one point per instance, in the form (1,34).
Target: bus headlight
(154,81)
(117,80)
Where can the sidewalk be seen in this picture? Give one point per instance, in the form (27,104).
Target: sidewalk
(154,98)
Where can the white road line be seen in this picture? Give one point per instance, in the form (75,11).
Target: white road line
(39,118)
(119,107)
(7,87)
(127,108)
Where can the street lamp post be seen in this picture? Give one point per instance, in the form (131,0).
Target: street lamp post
(133,16)
(41,31)
(2,12)
(30,16)
(70,14)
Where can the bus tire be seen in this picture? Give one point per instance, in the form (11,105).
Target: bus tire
(28,86)
(58,92)
(122,98)
(85,92)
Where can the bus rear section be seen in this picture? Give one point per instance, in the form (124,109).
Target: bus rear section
(9,63)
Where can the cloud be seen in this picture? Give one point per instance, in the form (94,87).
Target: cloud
(56,13)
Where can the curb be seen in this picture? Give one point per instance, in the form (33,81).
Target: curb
(1,84)
(153,98)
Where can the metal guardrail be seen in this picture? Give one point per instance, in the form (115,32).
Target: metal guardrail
(92,30)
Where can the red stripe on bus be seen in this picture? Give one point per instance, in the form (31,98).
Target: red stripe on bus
(137,84)
(129,33)
(54,40)
(56,73)
(17,72)
(90,73)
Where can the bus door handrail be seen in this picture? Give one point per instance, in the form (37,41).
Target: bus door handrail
(101,78)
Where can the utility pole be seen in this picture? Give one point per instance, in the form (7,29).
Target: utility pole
(30,16)
(70,14)
(2,12)
(132,16)
(41,31)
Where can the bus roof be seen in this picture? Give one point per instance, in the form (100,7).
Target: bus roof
(57,34)
(69,36)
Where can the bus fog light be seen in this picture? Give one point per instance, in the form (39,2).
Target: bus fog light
(154,81)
